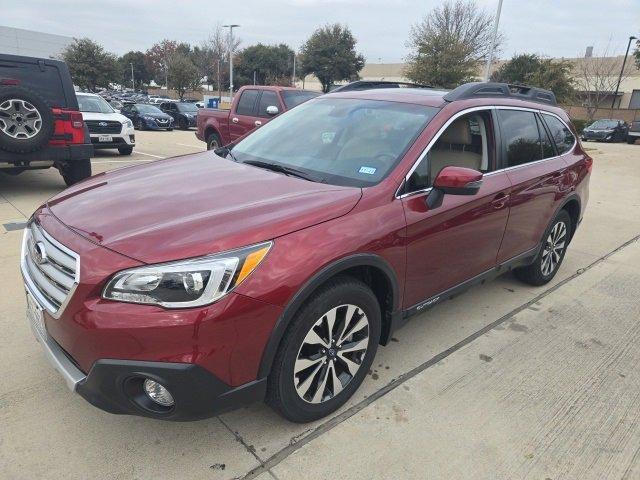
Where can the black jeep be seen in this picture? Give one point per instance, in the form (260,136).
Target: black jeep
(40,123)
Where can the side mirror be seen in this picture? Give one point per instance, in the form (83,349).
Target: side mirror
(454,181)
(272,110)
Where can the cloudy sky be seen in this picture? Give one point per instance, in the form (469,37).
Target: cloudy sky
(550,27)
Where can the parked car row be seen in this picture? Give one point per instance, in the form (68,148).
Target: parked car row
(612,130)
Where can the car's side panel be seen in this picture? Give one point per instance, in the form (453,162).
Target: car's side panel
(457,241)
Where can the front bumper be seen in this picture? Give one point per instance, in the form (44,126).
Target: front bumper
(115,386)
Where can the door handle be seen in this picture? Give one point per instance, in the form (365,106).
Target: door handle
(235,120)
(500,200)
(257,123)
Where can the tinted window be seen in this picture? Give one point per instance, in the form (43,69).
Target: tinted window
(247,102)
(520,136)
(561,135)
(340,141)
(268,99)
(547,146)
(293,98)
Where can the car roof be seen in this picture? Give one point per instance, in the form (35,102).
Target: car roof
(419,96)
(87,94)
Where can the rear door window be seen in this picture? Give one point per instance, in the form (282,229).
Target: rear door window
(247,102)
(560,133)
(520,137)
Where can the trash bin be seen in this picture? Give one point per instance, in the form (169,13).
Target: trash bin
(213,102)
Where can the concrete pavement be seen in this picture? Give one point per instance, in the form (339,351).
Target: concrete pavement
(505,381)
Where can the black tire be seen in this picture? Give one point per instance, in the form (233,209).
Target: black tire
(183,124)
(281,390)
(140,125)
(213,141)
(169,129)
(534,274)
(75,171)
(631,140)
(33,105)
(125,150)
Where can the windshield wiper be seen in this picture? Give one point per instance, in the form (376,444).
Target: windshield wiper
(274,167)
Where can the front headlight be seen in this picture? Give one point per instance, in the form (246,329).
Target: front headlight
(186,283)
(128,124)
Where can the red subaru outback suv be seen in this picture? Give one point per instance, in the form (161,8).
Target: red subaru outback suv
(273,268)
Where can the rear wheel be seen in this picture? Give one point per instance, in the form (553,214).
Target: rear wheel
(326,352)
(213,141)
(73,172)
(140,124)
(554,246)
(125,150)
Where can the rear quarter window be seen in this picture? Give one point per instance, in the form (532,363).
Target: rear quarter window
(560,133)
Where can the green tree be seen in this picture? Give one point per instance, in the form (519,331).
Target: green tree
(272,65)
(157,59)
(140,73)
(330,54)
(449,44)
(182,74)
(90,65)
(534,70)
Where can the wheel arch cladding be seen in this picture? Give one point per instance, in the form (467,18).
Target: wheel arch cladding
(572,207)
(368,268)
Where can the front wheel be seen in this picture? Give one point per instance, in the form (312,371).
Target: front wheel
(183,124)
(74,171)
(554,246)
(631,140)
(326,351)
(125,150)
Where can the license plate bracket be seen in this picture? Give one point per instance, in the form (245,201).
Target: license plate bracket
(35,316)
(105,138)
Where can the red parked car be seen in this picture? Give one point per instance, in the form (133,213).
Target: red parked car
(273,268)
(252,107)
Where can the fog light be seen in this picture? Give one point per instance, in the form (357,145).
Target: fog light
(158,393)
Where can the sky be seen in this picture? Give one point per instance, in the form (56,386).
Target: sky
(555,28)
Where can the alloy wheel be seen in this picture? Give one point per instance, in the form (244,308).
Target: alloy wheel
(331,353)
(19,119)
(554,246)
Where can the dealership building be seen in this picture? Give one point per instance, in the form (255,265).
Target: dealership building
(17,41)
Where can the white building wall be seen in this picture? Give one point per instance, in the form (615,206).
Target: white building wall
(16,41)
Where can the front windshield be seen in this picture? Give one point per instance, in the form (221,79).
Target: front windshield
(339,141)
(91,104)
(601,124)
(187,107)
(143,108)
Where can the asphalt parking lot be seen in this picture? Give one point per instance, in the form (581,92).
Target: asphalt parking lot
(504,381)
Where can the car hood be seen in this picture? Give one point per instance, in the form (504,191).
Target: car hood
(156,115)
(107,117)
(194,205)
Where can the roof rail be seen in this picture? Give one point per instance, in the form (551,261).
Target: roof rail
(505,90)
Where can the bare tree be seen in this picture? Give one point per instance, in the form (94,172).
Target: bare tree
(218,47)
(595,79)
(450,43)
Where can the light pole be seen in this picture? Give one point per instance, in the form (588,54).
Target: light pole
(493,42)
(293,77)
(231,27)
(133,83)
(613,102)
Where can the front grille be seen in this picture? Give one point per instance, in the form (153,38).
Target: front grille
(162,122)
(103,126)
(51,277)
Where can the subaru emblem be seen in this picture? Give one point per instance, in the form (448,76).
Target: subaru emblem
(39,253)
(103,124)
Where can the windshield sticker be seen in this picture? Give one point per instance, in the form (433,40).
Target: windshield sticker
(367,170)
(327,137)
